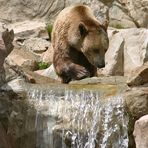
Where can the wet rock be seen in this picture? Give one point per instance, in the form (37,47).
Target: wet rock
(15,85)
(141,132)
(138,76)
(137,102)
(40,78)
(105,80)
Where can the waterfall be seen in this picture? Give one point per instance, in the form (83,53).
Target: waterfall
(78,119)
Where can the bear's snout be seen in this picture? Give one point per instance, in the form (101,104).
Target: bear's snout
(101,64)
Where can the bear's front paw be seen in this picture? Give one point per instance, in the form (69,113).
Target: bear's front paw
(79,72)
(73,72)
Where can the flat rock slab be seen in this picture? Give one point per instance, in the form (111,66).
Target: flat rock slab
(113,80)
(27,29)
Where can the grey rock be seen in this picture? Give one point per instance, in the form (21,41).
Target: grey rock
(23,59)
(36,45)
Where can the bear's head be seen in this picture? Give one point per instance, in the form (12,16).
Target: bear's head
(91,38)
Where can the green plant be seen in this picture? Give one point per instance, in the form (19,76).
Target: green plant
(49,29)
(118,26)
(43,65)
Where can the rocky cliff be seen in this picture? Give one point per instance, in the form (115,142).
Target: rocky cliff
(122,13)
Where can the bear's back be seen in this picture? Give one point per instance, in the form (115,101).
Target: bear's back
(74,14)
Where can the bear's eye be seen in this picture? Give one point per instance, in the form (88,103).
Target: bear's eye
(105,50)
(99,30)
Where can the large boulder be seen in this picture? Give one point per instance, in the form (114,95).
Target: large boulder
(23,59)
(114,56)
(128,50)
(26,29)
(135,49)
(141,132)
(137,101)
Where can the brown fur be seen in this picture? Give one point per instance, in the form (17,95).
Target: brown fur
(79,42)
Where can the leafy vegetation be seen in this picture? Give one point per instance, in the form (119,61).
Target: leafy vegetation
(43,65)
(49,29)
(118,26)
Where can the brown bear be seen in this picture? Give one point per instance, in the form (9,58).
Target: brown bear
(79,42)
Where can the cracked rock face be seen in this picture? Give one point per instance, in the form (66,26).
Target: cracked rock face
(19,10)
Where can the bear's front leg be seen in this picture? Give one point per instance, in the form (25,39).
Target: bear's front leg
(69,71)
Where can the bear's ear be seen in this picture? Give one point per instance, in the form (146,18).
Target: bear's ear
(83,29)
(105,25)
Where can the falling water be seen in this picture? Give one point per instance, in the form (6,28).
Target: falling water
(78,119)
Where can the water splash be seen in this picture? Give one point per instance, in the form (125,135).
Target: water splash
(81,119)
